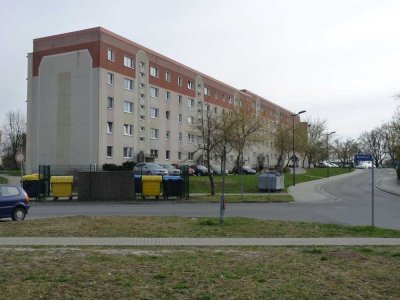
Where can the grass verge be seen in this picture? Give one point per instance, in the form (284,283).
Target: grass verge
(200,273)
(84,226)
(3,180)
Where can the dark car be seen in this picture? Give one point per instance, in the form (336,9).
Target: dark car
(14,202)
(190,170)
(218,170)
(200,170)
(144,168)
(171,169)
(245,170)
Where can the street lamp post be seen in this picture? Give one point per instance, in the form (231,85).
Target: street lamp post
(294,155)
(327,150)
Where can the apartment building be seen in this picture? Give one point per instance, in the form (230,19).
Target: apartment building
(95,97)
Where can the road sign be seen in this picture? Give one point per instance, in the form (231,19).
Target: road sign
(19,157)
(363,157)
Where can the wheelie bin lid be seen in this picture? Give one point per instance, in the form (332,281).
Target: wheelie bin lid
(30,177)
(152,178)
(172,177)
(62,179)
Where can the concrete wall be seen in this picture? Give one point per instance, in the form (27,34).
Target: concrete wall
(63,111)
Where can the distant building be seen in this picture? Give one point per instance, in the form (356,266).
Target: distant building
(95,97)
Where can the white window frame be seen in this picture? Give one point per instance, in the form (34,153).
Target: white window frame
(128,62)
(190,85)
(190,156)
(167,76)
(154,72)
(154,92)
(180,81)
(110,78)
(128,129)
(110,127)
(128,107)
(154,113)
(190,119)
(128,152)
(190,138)
(180,99)
(206,91)
(167,95)
(154,153)
(154,133)
(110,103)
(111,150)
(190,102)
(128,84)
(111,54)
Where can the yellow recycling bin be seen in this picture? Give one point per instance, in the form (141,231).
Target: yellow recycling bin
(61,186)
(151,185)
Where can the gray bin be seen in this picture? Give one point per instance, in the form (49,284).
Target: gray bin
(271,182)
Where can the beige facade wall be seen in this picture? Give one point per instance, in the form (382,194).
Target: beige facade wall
(62,112)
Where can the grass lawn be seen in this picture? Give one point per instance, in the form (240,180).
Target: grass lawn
(200,273)
(3,180)
(330,272)
(11,172)
(119,226)
(233,183)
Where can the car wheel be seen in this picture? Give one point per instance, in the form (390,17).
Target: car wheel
(18,214)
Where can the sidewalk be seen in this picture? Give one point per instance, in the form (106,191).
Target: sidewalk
(86,241)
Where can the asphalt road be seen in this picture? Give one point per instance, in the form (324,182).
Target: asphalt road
(346,200)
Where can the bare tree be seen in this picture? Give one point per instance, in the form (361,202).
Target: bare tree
(391,138)
(315,149)
(283,142)
(245,130)
(373,143)
(14,131)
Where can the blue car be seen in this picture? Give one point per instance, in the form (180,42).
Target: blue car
(14,202)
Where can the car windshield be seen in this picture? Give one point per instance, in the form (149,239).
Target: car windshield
(168,167)
(154,166)
(201,167)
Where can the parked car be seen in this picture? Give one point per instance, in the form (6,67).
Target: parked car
(200,170)
(171,169)
(364,165)
(14,202)
(245,170)
(322,164)
(217,170)
(190,170)
(145,168)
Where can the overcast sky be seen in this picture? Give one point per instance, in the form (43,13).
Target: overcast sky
(337,59)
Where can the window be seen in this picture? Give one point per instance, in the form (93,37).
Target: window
(154,72)
(167,135)
(141,74)
(128,62)
(110,102)
(190,156)
(215,109)
(141,139)
(110,127)
(216,94)
(110,78)
(128,129)
(167,115)
(179,155)
(128,152)
(207,91)
(168,76)
(154,112)
(142,64)
(142,118)
(128,107)
(153,92)
(128,84)
(190,120)
(142,107)
(154,152)
(180,99)
(207,107)
(190,85)
(154,133)
(191,138)
(230,99)
(167,154)
(180,82)
(180,137)
(109,151)
(190,102)
(142,128)
(167,95)
(142,96)
(180,118)
(142,85)
(111,54)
